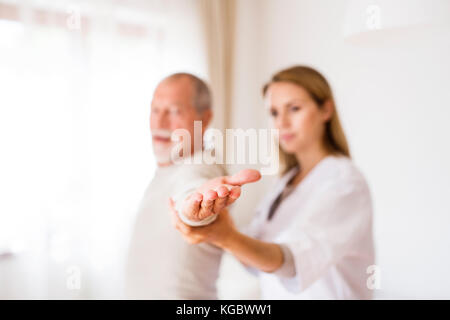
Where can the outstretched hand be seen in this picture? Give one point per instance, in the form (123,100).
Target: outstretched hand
(216,194)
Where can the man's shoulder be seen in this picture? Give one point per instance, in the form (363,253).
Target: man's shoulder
(200,167)
(203,170)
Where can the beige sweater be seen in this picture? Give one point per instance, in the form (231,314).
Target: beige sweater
(161,265)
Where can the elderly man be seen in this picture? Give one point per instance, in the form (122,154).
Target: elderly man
(160,264)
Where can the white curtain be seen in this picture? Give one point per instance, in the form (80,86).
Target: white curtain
(76,80)
(218,27)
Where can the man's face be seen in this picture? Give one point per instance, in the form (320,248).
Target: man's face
(172,108)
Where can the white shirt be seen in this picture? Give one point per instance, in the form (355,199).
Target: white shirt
(326,225)
(161,265)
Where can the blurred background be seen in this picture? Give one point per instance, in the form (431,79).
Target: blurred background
(76,80)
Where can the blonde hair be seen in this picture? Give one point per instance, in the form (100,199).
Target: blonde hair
(320,91)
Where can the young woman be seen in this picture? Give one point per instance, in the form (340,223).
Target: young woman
(311,237)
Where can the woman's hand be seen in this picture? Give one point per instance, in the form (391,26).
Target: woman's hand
(222,233)
(219,233)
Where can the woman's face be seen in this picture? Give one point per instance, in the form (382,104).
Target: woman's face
(297,116)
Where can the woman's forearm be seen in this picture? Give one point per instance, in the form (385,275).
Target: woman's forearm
(267,257)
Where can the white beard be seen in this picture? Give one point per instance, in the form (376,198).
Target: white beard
(163,154)
(162,151)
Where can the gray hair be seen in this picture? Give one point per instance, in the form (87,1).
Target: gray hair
(202,99)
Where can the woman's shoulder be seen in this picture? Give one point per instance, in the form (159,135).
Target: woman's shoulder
(342,173)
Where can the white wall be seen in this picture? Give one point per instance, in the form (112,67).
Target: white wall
(393,90)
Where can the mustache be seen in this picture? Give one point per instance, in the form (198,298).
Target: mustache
(162,133)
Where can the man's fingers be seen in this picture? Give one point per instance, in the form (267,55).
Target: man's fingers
(199,206)
(209,196)
(191,205)
(235,193)
(207,204)
(221,202)
(222,192)
(242,177)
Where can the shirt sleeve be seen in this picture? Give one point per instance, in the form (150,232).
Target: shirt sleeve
(287,269)
(336,219)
